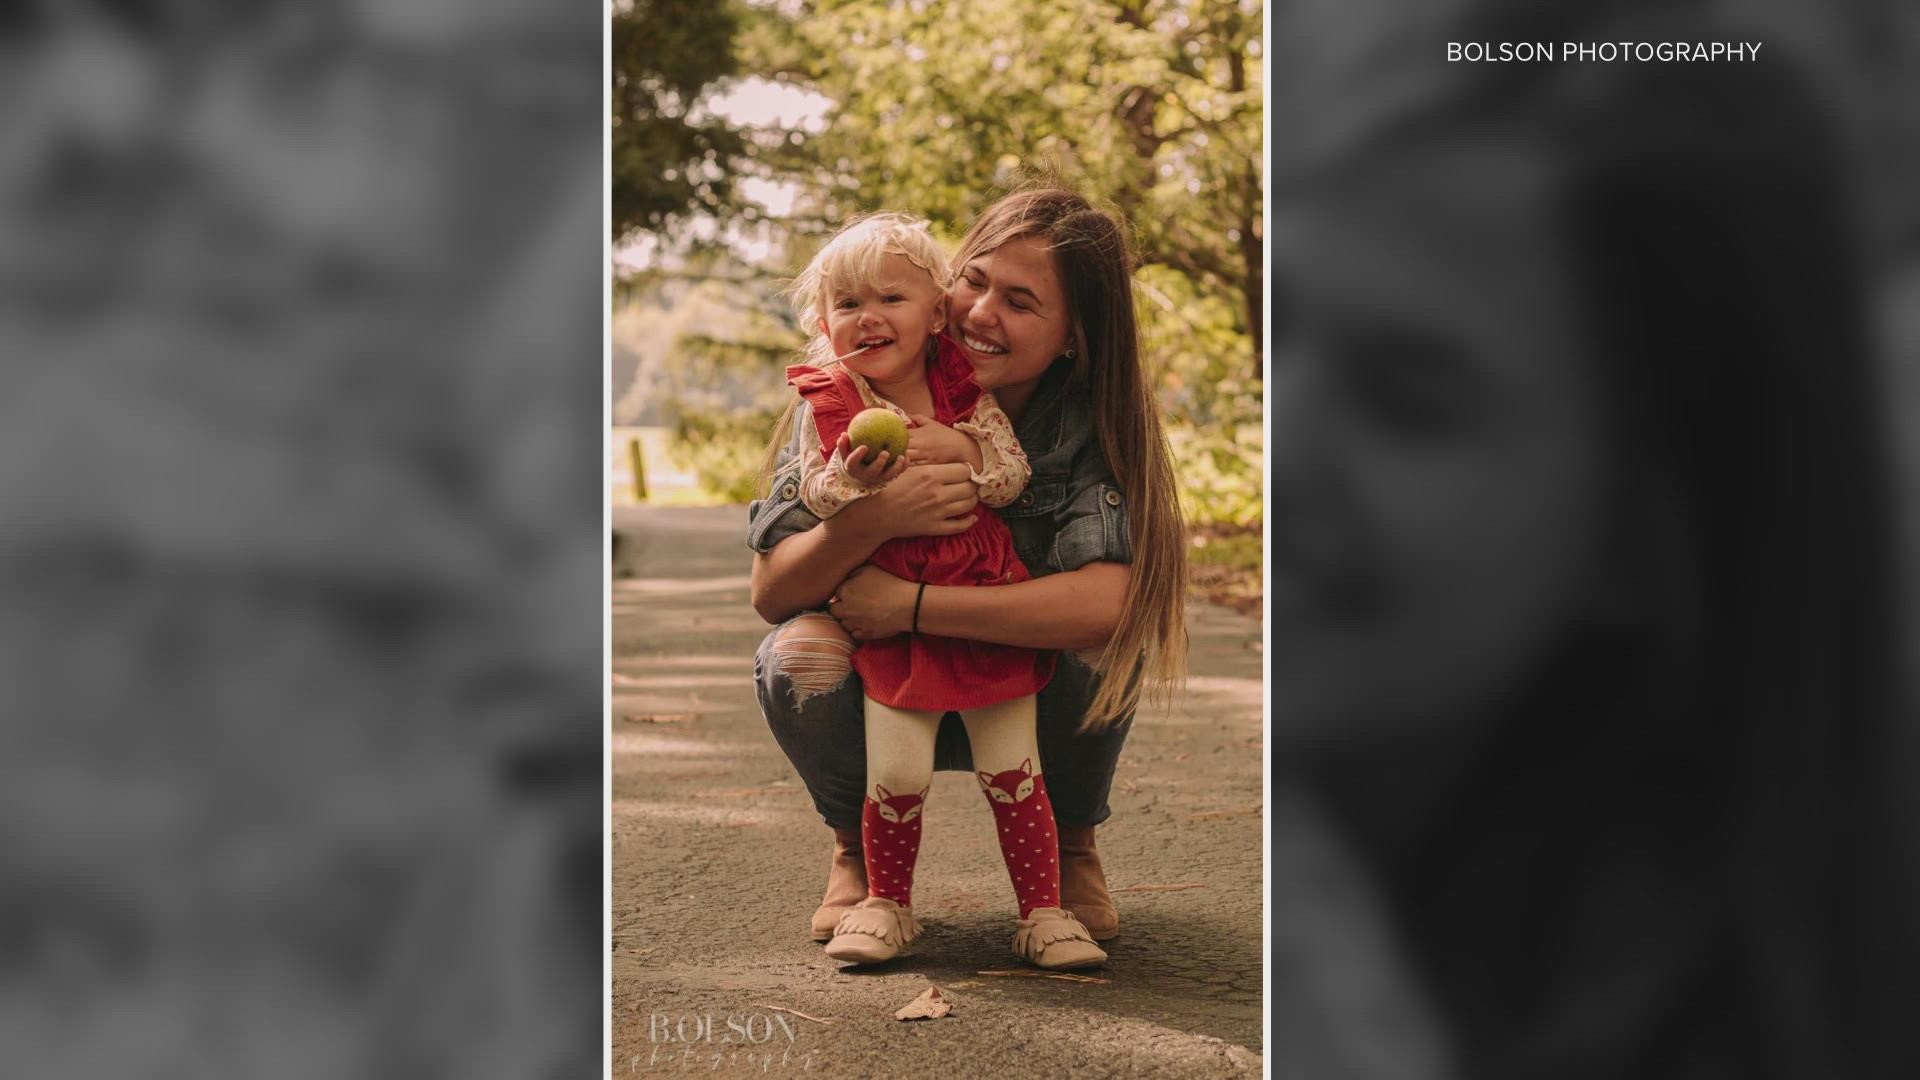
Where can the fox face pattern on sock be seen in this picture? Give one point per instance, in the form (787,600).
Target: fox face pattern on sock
(1028,840)
(890,840)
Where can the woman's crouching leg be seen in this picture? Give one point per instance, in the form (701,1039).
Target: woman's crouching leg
(1080,767)
(813,704)
(1080,770)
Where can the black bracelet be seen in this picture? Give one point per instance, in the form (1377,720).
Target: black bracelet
(917,597)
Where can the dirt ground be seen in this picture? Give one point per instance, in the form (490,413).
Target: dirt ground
(719,860)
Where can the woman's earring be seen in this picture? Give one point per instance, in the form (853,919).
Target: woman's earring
(1068,354)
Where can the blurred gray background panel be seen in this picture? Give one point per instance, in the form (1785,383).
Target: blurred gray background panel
(300,473)
(1594,510)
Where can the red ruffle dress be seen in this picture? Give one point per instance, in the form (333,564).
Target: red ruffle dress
(923,671)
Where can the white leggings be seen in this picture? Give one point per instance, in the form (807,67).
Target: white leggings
(900,743)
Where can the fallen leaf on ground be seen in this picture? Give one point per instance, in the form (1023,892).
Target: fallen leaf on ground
(930,1005)
(794,1012)
(1162,888)
(1061,975)
(658,718)
(1182,756)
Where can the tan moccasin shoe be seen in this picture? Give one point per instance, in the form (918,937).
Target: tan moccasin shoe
(875,931)
(1054,939)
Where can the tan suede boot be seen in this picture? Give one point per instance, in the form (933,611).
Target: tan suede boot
(1083,885)
(846,883)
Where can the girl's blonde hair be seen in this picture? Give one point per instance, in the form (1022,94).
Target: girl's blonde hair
(1148,650)
(851,260)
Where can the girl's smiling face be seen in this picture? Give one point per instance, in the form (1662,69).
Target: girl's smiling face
(892,313)
(1010,313)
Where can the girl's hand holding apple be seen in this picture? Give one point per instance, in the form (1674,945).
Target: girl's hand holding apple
(867,467)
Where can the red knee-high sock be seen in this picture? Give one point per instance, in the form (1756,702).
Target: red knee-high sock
(890,840)
(1028,840)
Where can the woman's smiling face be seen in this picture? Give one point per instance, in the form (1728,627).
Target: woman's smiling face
(1010,313)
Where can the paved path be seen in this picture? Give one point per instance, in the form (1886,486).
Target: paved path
(719,859)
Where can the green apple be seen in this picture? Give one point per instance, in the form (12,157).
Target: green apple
(877,430)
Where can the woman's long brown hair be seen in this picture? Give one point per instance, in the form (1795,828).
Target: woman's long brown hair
(1148,650)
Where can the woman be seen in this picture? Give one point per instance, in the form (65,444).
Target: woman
(1043,306)
(1582,574)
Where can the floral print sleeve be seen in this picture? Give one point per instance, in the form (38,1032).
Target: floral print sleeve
(1004,471)
(825,487)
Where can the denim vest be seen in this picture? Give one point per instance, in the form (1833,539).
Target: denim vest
(1071,513)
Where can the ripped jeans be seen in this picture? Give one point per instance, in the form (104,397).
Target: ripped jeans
(820,724)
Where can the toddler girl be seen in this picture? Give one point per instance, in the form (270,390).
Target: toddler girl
(877,296)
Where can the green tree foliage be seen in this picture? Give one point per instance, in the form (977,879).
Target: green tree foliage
(1211,405)
(668,158)
(1151,107)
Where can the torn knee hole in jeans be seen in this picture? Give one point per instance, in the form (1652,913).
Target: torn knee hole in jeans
(814,658)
